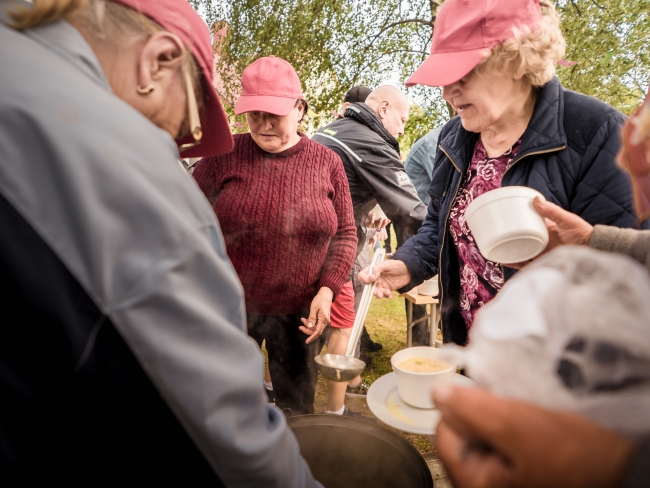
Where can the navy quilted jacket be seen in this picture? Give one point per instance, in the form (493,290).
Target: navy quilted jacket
(567,153)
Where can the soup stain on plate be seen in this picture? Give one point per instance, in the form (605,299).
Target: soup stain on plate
(394,402)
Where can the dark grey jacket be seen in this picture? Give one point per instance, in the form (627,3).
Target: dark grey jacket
(375,173)
(567,153)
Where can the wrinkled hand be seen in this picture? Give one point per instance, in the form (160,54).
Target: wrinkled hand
(373,221)
(319,314)
(486,441)
(389,275)
(563,228)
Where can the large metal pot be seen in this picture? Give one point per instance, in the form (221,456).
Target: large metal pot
(346,452)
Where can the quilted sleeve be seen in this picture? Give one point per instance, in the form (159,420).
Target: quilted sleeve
(603,193)
(420,252)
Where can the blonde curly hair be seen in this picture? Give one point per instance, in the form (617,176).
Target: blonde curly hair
(531,55)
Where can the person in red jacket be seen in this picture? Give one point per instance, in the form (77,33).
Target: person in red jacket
(285,211)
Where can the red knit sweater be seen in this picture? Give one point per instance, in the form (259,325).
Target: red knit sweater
(286,219)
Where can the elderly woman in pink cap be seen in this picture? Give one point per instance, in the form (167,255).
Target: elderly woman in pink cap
(516,126)
(533,446)
(286,215)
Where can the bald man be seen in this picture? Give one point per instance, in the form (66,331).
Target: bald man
(366,140)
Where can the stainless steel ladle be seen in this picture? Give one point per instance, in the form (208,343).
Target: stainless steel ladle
(337,367)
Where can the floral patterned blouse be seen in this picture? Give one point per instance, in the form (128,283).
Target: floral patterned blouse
(480,279)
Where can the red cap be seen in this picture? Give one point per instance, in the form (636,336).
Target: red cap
(178,17)
(465,30)
(270,85)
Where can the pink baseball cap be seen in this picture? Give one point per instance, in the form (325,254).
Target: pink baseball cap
(465,30)
(269,85)
(178,17)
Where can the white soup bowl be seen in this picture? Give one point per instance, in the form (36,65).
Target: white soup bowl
(429,287)
(505,225)
(416,388)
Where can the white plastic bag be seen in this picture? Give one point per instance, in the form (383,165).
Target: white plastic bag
(570,332)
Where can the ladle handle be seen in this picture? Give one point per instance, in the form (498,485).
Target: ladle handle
(364,305)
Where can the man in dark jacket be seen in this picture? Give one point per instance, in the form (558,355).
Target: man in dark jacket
(365,139)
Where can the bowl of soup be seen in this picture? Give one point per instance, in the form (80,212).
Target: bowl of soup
(419,371)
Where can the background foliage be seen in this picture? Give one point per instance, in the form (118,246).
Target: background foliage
(336,44)
(610,41)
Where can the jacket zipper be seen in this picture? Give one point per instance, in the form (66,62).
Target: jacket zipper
(503,272)
(444,233)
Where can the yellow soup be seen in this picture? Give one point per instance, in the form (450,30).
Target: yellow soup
(423,365)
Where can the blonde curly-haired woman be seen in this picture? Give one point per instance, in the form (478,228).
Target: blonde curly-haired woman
(516,126)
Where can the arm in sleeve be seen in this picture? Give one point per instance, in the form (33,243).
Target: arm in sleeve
(603,192)
(343,246)
(204,175)
(420,252)
(185,322)
(392,189)
(416,170)
(420,161)
(631,242)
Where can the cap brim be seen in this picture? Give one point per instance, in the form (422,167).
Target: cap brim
(217,138)
(442,69)
(264,103)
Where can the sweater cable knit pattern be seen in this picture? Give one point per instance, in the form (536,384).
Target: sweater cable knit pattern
(286,218)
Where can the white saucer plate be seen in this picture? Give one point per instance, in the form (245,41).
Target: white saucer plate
(386,404)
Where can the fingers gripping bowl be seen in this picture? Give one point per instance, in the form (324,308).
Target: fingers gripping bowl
(505,225)
(415,387)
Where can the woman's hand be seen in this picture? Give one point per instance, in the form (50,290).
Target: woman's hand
(389,275)
(563,228)
(487,441)
(319,314)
